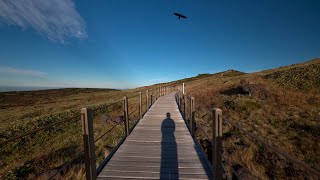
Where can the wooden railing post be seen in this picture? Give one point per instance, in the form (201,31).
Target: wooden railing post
(147,103)
(184,106)
(126,115)
(180,102)
(151,96)
(182,88)
(140,105)
(217,144)
(88,143)
(192,111)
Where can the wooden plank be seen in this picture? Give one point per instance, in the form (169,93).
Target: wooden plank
(160,147)
(150,175)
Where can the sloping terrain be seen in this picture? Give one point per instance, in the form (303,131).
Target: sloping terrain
(281,106)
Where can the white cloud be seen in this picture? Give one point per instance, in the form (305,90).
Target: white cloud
(58,20)
(24,72)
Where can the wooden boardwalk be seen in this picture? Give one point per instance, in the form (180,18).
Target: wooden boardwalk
(159,147)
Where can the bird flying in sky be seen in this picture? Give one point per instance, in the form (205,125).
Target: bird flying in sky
(180,15)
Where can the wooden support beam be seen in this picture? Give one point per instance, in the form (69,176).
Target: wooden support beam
(184,106)
(88,143)
(126,115)
(182,88)
(147,103)
(140,105)
(192,112)
(217,144)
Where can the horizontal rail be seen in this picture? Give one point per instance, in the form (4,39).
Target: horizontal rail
(68,164)
(202,130)
(107,105)
(276,150)
(133,96)
(134,111)
(106,132)
(230,165)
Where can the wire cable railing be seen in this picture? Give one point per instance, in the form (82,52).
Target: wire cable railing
(132,112)
(144,102)
(96,110)
(200,126)
(108,131)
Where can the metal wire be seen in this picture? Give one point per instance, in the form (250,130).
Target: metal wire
(134,111)
(276,150)
(106,132)
(230,165)
(202,130)
(68,164)
(36,130)
(143,104)
(113,103)
(225,170)
(133,96)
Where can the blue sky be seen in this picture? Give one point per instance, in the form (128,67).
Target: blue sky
(131,43)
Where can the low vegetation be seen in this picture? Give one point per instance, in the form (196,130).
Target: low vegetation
(57,151)
(281,106)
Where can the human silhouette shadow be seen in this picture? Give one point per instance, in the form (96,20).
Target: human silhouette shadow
(169,155)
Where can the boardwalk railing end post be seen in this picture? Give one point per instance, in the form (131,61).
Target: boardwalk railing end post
(217,144)
(88,143)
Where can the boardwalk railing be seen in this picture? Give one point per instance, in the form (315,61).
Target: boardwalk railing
(145,100)
(186,106)
(135,107)
(87,123)
(183,100)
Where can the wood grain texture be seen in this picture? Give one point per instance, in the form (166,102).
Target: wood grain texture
(160,147)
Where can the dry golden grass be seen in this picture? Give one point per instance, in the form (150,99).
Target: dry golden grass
(284,110)
(279,105)
(44,153)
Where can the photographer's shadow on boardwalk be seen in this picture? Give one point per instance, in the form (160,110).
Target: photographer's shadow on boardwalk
(169,155)
(159,147)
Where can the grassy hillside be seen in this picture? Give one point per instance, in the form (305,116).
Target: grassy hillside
(279,105)
(44,153)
